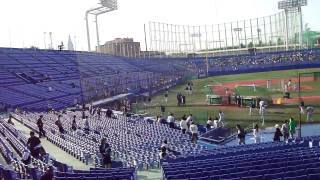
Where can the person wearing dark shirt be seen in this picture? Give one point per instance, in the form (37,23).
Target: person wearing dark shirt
(277,134)
(163,149)
(48,175)
(109,113)
(74,123)
(105,151)
(34,145)
(40,126)
(162,120)
(59,124)
(10,120)
(99,112)
(241,134)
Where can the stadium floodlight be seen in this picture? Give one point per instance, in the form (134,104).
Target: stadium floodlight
(103,7)
(238,30)
(289,5)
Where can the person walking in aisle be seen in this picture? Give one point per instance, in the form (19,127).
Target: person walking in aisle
(256,134)
(183,124)
(221,118)
(105,151)
(40,127)
(292,127)
(285,130)
(34,145)
(74,124)
(194,132)
(241,134)
(59,124)
(277,134)
(170,120)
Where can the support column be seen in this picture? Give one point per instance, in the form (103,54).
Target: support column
(286,30)
(97,30)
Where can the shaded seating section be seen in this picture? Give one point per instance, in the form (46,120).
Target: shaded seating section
(125,135)
(262,161)
(36,80)
(56,77)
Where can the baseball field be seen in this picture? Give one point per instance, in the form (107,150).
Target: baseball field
(251,84)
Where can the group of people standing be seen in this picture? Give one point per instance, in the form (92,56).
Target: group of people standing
(287,131)
(216,122)
(181,99)
(187,125)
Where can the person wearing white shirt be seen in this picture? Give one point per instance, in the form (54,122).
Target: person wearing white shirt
(261,103)
(170,120)
(309,111)
(183,125)
(194,132)
(263,111)
(221,118)
(256,134)
(189,120)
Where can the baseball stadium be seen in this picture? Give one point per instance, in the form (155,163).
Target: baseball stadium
(198,99)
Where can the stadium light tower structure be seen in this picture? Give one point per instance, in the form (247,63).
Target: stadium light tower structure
(292,6)
(103,7)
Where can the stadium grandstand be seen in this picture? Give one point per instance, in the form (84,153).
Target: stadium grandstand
(237,100)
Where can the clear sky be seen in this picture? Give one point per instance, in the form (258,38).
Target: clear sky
(24,22)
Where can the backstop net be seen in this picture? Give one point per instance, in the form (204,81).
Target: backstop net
(264,34)
(309,85)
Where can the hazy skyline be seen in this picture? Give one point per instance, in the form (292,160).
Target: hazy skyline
(23,23)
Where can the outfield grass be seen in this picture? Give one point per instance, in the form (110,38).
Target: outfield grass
(196,104)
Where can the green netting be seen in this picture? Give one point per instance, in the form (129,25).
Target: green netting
(316,76)
(215,100)
(248,101)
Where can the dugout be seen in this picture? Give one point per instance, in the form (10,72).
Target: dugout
(214,100)
(249,100)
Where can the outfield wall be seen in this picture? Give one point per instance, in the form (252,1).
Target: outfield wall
(265,68)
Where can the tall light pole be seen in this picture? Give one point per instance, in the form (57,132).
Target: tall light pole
(238,30)
(292,6)
(44,40)
(103,7)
